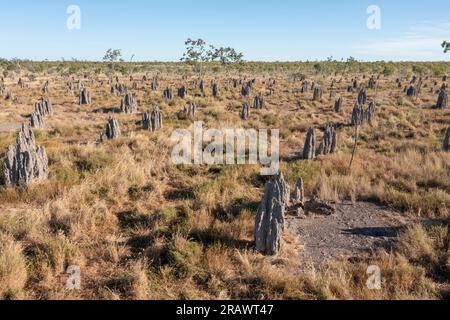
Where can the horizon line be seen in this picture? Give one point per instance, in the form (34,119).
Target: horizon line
(228,63)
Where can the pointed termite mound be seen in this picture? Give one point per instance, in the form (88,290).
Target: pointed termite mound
(22,84)
(329,141)
(447,140)
(25,162)
(246,89)
(190,110)
(338,105)
(318,93)
(168,94)
(69,86)
(129,104)
(36,120)
(9,96)
(305,86)
(201,86)
(245,113)
(362,96)
(270,218)
(215,89)
(369,113)
(332,94)
(309,150)
(411,91)
(119,89)
(152,121)
(442,100)
(45,87)
(155,84)
(414,90)
(112,130)
(43,107)
(85,97)
(298,196)
(182,92)
(372,83)
(361,116)
(357,115)
(258,102)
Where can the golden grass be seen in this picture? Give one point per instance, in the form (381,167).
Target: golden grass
(13,271)
(141,228)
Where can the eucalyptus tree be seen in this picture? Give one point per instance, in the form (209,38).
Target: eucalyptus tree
(113,56)
(196,54)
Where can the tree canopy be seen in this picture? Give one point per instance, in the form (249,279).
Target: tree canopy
(197,53)
(113,55)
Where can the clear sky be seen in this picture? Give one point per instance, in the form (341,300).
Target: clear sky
(269,30)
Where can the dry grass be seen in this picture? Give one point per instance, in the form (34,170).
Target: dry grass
(13,271)
(141,228)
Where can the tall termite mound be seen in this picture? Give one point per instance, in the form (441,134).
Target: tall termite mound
(26,162)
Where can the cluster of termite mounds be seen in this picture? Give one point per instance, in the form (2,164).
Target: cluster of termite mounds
(328,145)
(152,121)
(119,89)
(26,162)
(22,84)
(414,88)
(363,115)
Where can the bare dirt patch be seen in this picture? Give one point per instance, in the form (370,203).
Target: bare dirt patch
(355,230)
(9,127)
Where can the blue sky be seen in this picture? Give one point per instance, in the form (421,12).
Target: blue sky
(269,30)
